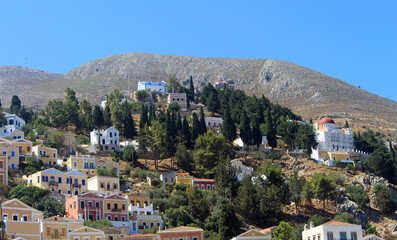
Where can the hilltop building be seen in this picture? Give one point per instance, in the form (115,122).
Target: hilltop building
(153,86)
(335,144)
(13,122)
(179,98)
(213,122)
(224,85)
(105,140)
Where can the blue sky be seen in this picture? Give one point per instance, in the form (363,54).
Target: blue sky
(355,40)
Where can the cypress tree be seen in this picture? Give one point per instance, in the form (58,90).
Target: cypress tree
(245,129)
(256,132)
(228,224)
(144,117)
(191,90)
(107,117)
(228,127)
(97,117)
(129,124)
(186,132)
(151,117)
(15,104)
(196,127)
(270,131)
(179,123)
(203,127)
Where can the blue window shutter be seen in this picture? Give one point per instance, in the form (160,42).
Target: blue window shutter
(43,178)
(67,180)
(60,180)
(83,182)
(38,179)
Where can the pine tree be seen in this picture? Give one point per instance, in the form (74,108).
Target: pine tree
(228,127)
(245,129)
(144,117)
(229,224)
(15,104)
(183,159)
(71,107)
(203,127)
(97,117)
(129,124)
(151,115)
(270,131)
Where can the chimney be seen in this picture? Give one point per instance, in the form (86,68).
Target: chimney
(311,224)
(306,227)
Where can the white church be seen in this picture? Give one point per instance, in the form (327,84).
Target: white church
(334,144)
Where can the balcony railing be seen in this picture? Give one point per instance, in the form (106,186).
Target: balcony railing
(76,185)
(116,210)
(56,236)
(53,183)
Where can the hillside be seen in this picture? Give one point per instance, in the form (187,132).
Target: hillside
(307,92)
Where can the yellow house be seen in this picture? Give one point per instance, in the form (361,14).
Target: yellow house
(184,177)
(72,183)
(3,173)
(25,146)
(17,134)
(108,164)
(138,198)
(21,220)
(86,233)
(48,155)
(252,235)
(88,165)
(60,227)
(340,156)
(12,152)
(116,210)
(84,164)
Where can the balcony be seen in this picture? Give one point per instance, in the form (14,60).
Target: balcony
(116,210)
(53,183)
(57,236)
(76,185)
(44,156)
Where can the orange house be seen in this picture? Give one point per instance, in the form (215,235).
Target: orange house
(181,232)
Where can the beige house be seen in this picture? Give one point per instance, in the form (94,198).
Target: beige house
(71,183)
(12,152)
(60,227)
(108,164)
(86,233)
(21,220)
(48,155)
(25,146)
(3,174)
(332,230)
(179,98)
(104,185)
(17,134)
(252,235)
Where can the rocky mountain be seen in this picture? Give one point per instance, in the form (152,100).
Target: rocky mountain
(307,92)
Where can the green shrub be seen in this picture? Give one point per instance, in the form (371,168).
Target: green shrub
(346,217)
(358,195)
(337,178)
(82,139)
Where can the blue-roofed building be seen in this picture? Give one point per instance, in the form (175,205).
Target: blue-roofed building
(67,183)
(153,86)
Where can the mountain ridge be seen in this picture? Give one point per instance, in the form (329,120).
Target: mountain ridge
(308,92)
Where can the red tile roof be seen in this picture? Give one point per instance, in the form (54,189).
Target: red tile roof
(337,223)
(138,235)
(267,229)
(181,229)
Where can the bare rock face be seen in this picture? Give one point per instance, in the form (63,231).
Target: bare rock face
(343,204)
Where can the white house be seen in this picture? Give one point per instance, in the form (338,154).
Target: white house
(13,122)
(240,169)
(332,230)
(153,86)
(213,122)
(105,140)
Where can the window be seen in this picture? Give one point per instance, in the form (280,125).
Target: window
(110,218)
(83,182)
(82,204)
(123,219)
(28,149)
(14,217)
(202,187)
(12,153)
(4,152)
(123,207)
(213,187)
(25,218)
(115,186)
(96,204)
(208,187)
(1,164)
(5,216)
(177,99)
(318,237)
(89,204)
(330,236)
(74,205)
(343,236)
(115,206)
(353,235)
(108,205)
(102,185)
(59,191)
(182,99)
(54,155)
(195,238)
(75,164)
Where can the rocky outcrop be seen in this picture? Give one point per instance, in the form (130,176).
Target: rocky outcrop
(343,204)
